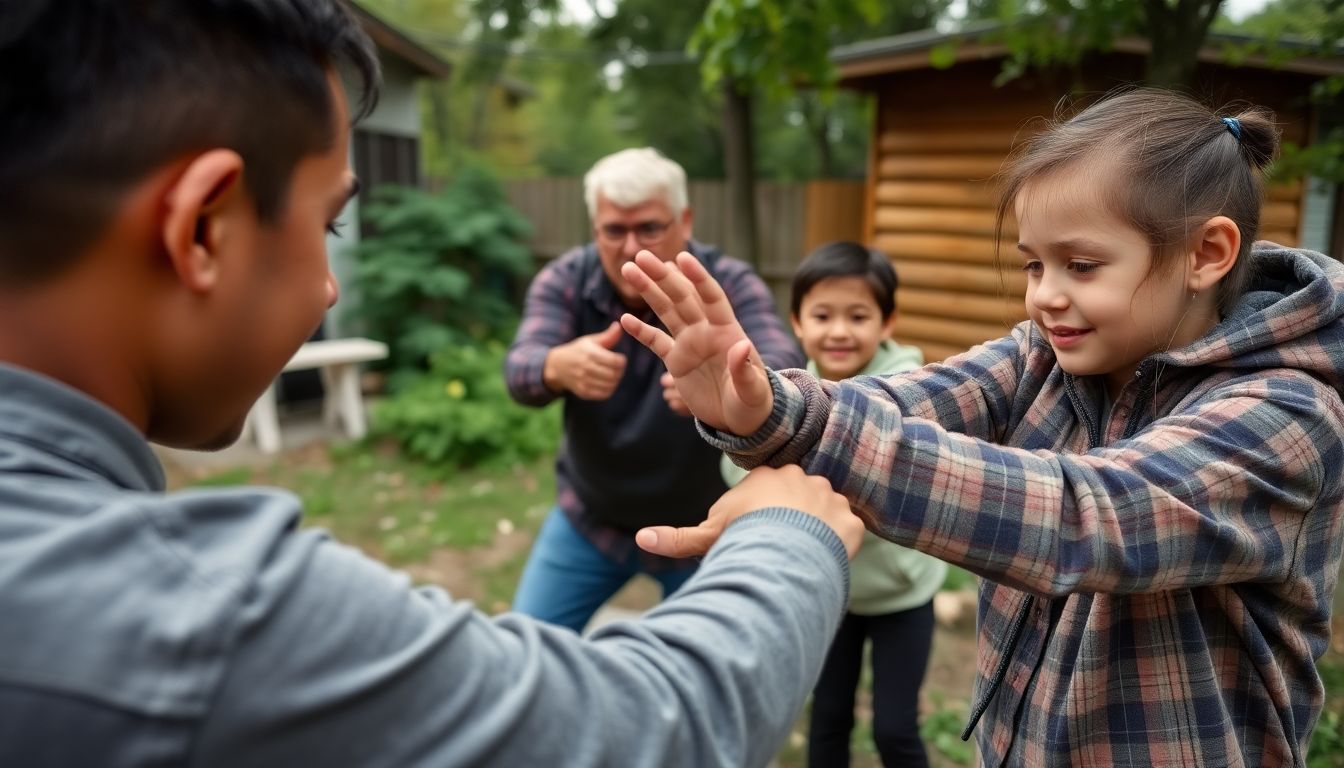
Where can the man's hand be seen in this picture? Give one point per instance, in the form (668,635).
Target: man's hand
(717,372)
(672,396)
(763,487)
(586,366)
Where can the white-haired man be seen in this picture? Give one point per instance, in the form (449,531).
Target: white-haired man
(630,456)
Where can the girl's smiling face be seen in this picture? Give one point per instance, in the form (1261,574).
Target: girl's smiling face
(1092,288)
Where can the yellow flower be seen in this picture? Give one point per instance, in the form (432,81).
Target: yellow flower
(455,389)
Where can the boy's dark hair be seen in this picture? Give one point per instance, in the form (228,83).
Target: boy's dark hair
(846,259)
(1175,162)
(97,93)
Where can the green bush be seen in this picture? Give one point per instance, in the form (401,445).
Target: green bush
(439,270)
(460,412)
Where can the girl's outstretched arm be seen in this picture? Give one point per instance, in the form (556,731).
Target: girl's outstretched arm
(1241,485)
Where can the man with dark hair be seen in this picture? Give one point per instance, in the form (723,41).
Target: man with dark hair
(167,170)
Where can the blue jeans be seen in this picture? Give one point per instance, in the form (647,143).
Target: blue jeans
(567,579)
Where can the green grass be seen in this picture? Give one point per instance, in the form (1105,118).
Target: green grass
(1327,741)
(399,510)
(957,578)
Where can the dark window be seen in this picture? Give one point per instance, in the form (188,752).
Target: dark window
(382,158)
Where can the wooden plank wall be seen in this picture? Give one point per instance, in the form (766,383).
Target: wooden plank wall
(940,139)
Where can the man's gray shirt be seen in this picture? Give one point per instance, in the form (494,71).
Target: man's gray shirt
(204,628)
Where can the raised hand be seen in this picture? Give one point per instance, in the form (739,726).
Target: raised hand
(717,372)
(763,487)
(586,366)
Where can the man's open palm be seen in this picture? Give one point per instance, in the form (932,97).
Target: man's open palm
(716,369)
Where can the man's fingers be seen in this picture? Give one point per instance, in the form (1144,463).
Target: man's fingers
(678,542)
(656,340)
(713,302)
(641,275)
(608,360)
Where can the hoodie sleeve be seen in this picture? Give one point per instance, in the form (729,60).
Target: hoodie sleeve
(341,662)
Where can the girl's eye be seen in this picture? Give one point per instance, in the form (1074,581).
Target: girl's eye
(1032,267)
(335,227)
(1083,267)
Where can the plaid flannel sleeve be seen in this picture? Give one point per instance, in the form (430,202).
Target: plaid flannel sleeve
(1219,492)
(548,321)
(1235,487)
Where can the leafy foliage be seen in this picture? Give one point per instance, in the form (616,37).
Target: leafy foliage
(774,43)
(460,413)
(439,270)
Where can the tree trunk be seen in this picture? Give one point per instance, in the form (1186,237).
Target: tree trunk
(1176,33)
(818,119)
(740,166)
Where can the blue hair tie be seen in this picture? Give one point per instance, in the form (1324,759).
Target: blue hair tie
(1233,127)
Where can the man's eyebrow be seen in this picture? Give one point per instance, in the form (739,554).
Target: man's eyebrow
(339,202)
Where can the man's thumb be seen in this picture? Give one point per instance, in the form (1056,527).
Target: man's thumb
(611,336)
(676,542)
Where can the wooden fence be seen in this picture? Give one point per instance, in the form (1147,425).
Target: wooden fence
(793,219)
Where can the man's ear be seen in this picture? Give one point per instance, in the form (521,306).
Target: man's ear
(687,219)
(194,218)
(1213,252)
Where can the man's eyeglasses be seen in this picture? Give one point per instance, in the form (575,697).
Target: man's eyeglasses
(647,233)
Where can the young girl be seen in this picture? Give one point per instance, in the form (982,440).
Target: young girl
(843,310)
(1147,473)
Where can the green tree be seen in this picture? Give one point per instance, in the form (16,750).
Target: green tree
(1054,32)
(770,46)
(1046,32)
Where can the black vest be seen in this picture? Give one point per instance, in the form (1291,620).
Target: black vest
(631,460)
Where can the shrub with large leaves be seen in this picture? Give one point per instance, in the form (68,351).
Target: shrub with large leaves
(459,413)
(435,270)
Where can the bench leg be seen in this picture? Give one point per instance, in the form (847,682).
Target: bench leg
(351,402)
(331,400)
(265,423)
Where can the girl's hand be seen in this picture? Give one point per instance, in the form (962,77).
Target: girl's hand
(716,369)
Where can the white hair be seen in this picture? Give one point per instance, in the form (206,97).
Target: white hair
(635,176)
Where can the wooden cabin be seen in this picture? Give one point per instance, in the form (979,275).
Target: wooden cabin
(941,135)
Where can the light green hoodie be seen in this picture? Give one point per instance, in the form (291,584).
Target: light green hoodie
(884,577)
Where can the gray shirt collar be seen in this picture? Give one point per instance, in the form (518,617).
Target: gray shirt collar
(53,418)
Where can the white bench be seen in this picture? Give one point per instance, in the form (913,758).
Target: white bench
(338,362)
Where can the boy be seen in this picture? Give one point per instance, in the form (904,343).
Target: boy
(167,170)
(843,309)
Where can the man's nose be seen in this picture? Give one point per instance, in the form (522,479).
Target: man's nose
(333,290)
(630,245)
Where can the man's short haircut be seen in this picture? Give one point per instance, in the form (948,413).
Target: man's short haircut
(96,94)
(846,259)
(635,176)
